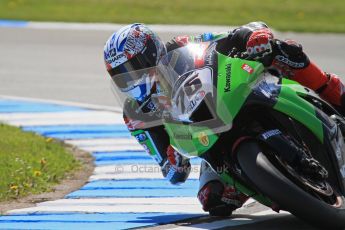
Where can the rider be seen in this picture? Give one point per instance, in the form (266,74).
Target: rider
(136,47)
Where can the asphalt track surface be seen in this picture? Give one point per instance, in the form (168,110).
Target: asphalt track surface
(67,65)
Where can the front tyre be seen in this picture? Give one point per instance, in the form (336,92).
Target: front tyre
(272,183)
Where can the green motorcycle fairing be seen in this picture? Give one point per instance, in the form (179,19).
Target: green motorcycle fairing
(236,79)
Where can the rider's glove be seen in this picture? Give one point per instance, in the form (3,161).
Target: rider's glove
(259,46)
(177,167)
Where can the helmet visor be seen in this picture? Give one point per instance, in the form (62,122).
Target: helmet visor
(131,71)
(144,60)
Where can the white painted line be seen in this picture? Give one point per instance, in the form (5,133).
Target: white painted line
(135,171)
(62,118)
(121,208)
(125,176)
(107,145)
(124,169)
(122,201)
(131,201)
(75,121)
(112,169)
(128,170)
(137,175)
(66,103)
(104,141)
(109,148)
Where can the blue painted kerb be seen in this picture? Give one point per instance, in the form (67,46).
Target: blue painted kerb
(13,23)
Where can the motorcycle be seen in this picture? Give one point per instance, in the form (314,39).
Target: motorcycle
(253,129)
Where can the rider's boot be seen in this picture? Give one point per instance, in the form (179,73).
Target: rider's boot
(216,197)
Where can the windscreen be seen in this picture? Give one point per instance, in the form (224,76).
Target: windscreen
(163,88)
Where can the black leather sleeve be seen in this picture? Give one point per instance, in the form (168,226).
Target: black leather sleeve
(226,41)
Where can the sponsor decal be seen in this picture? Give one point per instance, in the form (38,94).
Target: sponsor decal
(136,41)
(196,100)
(147,149)
(285,60)
(182,136)
(151,106)
(338,154)
(203,139)
(270,133)
(282,68)
(154,110)
(227,78)
(247,68)
(141,137)
(113,59)
(232,201)
(266,93)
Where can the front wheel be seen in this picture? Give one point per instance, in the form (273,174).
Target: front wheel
(290,197)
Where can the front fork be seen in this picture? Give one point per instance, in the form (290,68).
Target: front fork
(232,176)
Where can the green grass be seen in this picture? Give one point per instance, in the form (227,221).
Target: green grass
(294,15)
(30,164)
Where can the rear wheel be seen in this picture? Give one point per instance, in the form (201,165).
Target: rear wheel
(288,194)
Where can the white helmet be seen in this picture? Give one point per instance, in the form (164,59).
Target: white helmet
(132,48)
